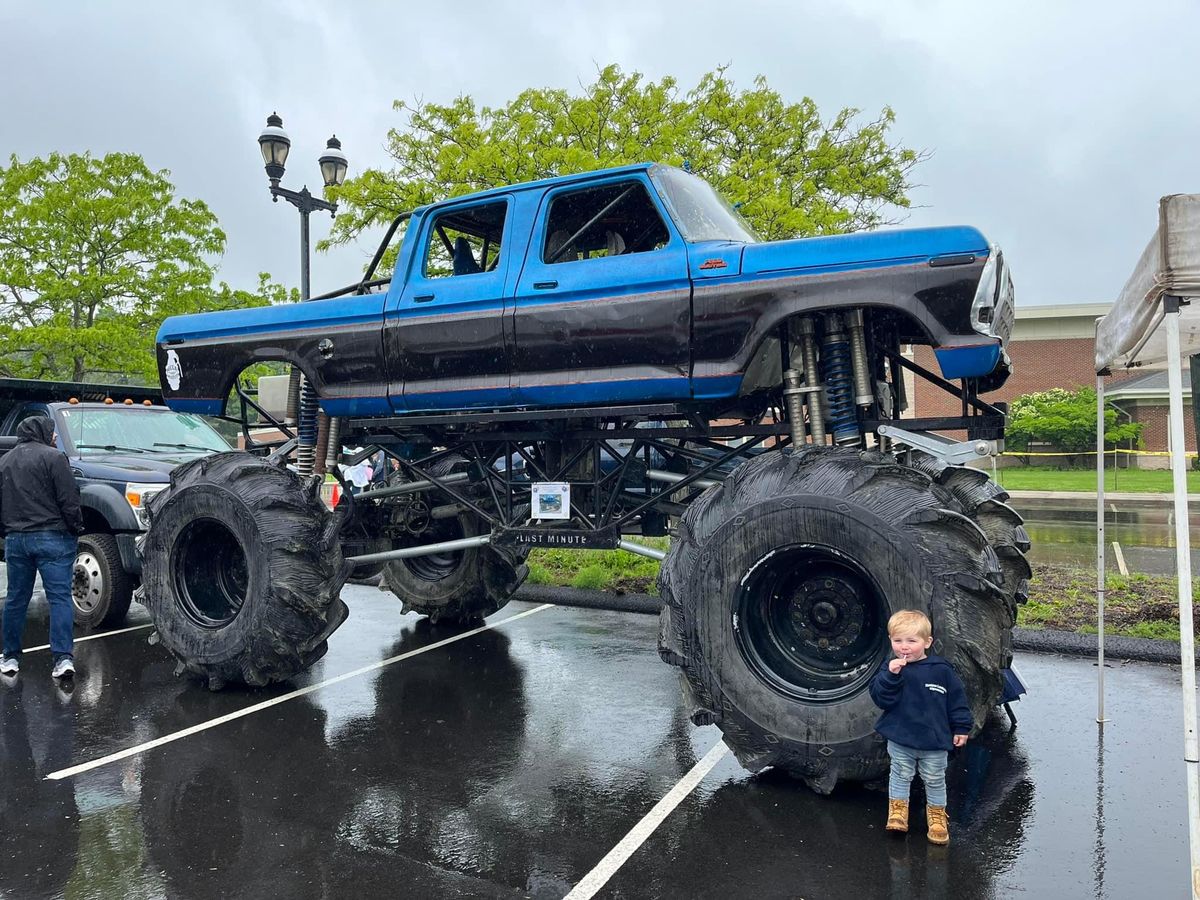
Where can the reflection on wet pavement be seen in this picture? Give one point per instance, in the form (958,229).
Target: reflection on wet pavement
(507,764)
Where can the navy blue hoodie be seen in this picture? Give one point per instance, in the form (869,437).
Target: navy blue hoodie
(923,707)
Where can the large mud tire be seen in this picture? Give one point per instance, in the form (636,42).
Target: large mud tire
(241,570)
(778,590)
(461,586)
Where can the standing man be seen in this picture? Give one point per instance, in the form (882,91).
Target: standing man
(40,517)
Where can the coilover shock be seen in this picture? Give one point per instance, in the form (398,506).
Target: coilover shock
(838,374)
(306,429)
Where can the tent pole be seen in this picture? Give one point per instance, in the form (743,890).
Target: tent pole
(1100,586)
(1183,565)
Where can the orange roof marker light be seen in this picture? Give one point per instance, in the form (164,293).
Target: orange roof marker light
(108,400)
(74,401)
(128,402)
(147,403)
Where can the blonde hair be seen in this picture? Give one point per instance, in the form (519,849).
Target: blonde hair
(910,621)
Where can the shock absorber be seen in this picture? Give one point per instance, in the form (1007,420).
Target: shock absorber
(837,370)
(306,429)
(863,394)
(793,398)
(321,451)
(292,410)
(812,383)
(334,451)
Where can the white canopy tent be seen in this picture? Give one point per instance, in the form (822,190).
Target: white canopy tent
(1153,324)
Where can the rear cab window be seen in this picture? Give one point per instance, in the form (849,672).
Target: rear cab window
(615,219)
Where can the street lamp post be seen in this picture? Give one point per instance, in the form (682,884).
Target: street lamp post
(275,144)
(302,399)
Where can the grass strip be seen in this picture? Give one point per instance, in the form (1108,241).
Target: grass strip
(1062,598)
(1131,481)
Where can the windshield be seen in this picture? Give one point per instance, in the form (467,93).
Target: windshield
(137,429)
(700,212)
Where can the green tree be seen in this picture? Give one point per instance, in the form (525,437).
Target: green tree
(792,172)
(1066,420)
(94,253)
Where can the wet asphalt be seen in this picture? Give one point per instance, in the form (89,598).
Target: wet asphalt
(509,762)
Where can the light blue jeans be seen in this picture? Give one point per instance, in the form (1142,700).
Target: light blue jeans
(908,761)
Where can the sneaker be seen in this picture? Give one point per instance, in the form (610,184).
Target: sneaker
(10,665)
(64,668)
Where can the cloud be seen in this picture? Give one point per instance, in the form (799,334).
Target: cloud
(1054,127)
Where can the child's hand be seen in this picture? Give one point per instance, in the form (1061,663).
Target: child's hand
(960,740)
(897,664)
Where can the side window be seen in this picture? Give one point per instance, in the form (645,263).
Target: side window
(29,412)
(465,240)
(611,220)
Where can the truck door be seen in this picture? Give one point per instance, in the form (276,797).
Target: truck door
(602,312)
(446,336)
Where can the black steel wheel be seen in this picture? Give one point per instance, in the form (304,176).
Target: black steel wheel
(101,589)
(777,594)
(242,570)
(807,615)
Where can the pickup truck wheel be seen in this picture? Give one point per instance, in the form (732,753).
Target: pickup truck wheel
(461,586)
(778,592)
(101,589)
(242,570)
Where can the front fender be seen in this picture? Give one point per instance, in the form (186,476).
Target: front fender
(733,318)
(336,343)
(109,503)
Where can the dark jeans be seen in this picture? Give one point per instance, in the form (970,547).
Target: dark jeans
(52,554)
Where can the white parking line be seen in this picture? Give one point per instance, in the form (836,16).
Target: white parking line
(1121,567)
(617,856)
(92,637)
(282,698)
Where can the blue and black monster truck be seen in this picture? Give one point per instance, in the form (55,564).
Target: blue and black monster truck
(581,360)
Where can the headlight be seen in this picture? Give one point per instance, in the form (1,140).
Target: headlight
(993,310)
(137,495)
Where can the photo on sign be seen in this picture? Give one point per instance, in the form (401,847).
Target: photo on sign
(551,500)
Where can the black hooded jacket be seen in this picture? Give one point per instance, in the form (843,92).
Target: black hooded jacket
(37,490)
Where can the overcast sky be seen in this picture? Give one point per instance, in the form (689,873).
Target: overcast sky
(1053,126)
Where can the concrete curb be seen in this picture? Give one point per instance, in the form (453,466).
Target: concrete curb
(1029,640)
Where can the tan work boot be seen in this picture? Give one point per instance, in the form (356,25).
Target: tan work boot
(939,824)
(897,815)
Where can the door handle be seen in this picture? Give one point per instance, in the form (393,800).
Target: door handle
(422,298)
(544,285)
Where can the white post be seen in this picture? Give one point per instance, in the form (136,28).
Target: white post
(1183,565)
(1100,587)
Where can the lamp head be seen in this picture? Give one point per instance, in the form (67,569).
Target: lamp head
(333,163)
(274,144)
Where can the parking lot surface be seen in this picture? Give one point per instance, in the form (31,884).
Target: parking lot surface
(510,761)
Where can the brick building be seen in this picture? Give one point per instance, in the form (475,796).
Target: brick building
(1052,346)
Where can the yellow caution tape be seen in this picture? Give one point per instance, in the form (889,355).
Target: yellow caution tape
(1093,453)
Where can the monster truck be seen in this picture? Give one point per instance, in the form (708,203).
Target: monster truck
(655,368)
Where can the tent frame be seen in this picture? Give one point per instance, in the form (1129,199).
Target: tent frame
(1169,318)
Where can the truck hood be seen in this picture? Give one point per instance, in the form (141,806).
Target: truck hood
(135,467)
(867,249)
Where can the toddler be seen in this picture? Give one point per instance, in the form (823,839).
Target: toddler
(925,713)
